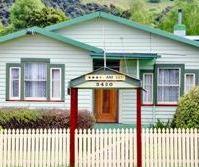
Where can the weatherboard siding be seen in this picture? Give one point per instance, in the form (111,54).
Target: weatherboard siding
(116,37)
(77,62)
(91,32)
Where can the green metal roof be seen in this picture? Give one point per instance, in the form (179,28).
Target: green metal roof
(52,35)
(124,22)
(126,55)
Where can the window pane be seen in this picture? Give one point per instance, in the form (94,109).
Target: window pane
(168,93)
(168,85)
(35,89)
(14,82)
(56,83)
(35,79)
(35,71)
(189,82)
(168,76)
(148,86)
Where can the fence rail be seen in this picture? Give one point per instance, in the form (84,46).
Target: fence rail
(99,148)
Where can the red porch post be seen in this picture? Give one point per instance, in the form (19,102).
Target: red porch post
(73,123)
(139,128)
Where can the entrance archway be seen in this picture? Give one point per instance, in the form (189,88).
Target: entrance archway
(104,78)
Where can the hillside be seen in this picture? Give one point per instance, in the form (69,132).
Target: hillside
(125,4)
(74,8)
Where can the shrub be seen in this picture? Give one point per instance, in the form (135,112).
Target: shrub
(29,118)
(162,125)
(187,113)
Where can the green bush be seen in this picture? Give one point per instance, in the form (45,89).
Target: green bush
(11,118)
(162,125)
(187,113)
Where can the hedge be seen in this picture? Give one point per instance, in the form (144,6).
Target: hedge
(13,118)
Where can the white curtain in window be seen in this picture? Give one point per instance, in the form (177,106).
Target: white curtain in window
(14,82)
(56,83)
(189,81)
(168,85)
(148,86)
(35,79)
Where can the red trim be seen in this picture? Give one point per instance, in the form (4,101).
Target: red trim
(36,100)
(73,123)
(139,128)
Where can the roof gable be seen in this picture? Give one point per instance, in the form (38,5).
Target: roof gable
(106,75)
(124,22)
(52,35)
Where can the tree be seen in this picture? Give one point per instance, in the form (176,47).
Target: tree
(45,17)
(29,13)
(21,10)
(190,16)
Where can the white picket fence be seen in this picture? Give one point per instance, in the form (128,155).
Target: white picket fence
(117,148)
(99,148)
(34,148)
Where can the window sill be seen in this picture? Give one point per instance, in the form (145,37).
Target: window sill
(36,100)
(147,104)
(167,105)
(163,105)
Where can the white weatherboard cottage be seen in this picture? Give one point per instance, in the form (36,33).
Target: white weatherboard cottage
(36,65)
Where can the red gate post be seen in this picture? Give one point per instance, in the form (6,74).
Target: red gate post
(139,128)
(73,123)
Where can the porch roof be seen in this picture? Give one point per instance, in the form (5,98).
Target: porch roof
(112,55)
(105,78)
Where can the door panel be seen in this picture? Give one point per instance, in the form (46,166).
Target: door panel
(106,105)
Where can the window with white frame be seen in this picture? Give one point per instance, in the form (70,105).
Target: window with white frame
(15,83)
(55,83)
(189,81)
(168,85)
(148,86)
(35,78)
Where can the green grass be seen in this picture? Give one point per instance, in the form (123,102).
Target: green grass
(125,4)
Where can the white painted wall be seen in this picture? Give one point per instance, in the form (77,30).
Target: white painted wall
(77,62)
(120,38)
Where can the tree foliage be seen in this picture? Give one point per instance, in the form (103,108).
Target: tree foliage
(21,11)
(190,16)
(45,17)
(187,114)
(140,13)
(28,13)
(1,27)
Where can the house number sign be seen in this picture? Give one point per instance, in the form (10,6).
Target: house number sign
(105,81)
(105,77)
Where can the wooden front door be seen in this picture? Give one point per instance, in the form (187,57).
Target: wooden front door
(106,105)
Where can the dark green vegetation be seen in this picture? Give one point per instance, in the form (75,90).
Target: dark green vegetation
(11,118)
(162,14)
(187,112)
